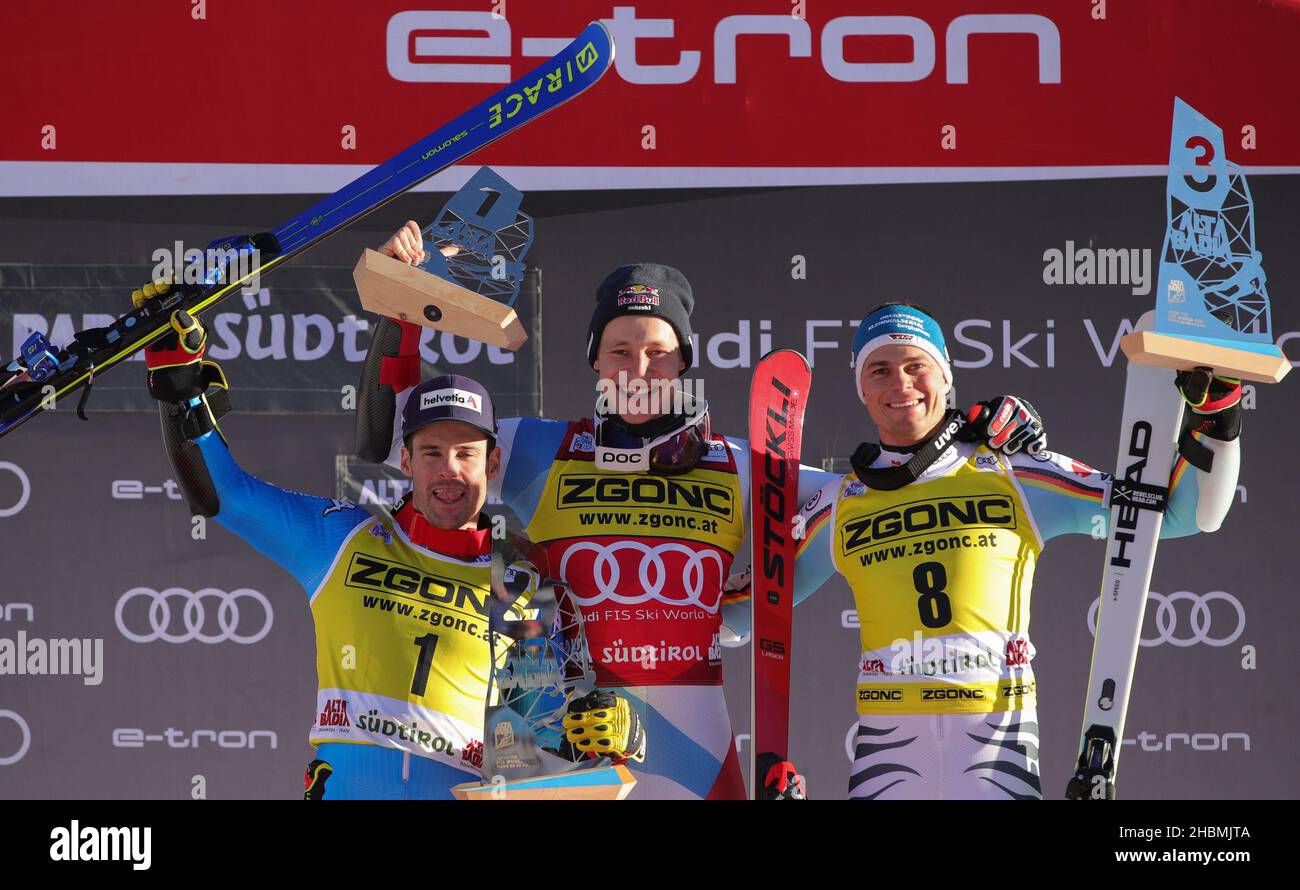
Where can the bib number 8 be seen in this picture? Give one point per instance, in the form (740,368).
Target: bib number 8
(933,605)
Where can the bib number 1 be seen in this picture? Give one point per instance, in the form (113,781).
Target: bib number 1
(428,644)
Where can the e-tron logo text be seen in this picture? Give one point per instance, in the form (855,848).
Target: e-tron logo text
(24,731)
(1197,741)
(927,517)
(136,490)
(412,39)
(24,488)
(1169,623)
(630,572)
(579,490)
(179,738)
(159,621)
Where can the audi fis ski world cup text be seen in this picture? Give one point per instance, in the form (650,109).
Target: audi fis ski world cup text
(974,342)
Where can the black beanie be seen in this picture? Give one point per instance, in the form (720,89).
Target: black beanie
(644,289)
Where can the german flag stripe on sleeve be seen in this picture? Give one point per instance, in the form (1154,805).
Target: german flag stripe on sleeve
(814,525)
(1074,487)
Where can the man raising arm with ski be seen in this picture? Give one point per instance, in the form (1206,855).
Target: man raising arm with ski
(406,594)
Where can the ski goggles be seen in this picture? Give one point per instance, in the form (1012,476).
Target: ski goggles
(667,454)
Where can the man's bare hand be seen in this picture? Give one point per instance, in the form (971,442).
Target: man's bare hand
(406,245)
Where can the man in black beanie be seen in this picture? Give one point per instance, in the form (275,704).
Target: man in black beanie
(644,289)
(640,509)
(639,343)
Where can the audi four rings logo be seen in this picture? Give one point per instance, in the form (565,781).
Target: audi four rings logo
(689,586)
(193,614)
(1167,620)
(24,731)
(24,485)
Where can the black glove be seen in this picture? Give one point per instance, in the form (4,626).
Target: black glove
(778,779)
(179,375)
(1008,424)
(314,779)
(1215,402)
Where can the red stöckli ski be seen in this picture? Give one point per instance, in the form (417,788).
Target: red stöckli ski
(778,395)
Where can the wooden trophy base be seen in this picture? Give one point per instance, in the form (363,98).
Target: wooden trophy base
(391,287)
(1183,353)
(603,783)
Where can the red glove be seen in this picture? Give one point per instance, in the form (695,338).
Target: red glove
(1008,424)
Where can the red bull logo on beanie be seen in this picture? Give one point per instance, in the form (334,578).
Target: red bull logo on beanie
(442,398)
(638,295)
